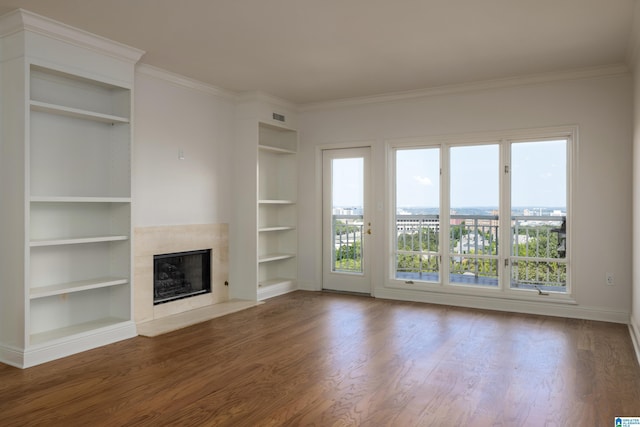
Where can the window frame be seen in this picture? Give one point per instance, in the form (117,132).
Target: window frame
(505,140)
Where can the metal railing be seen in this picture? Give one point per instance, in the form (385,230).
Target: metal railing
(537,249)
(537,254)
(347,251)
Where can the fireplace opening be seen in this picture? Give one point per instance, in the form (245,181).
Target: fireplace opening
(181,275)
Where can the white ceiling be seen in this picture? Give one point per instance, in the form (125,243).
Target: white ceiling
(310,51)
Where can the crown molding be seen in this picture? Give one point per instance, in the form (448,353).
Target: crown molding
(21,19)
(577,74)
(186,82)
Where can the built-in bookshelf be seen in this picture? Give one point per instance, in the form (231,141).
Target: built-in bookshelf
(277,210)
(264,235)
(80,205)
(75,138)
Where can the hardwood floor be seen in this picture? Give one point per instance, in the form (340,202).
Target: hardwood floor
(322,359)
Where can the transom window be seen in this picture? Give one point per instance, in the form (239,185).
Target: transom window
(483,215)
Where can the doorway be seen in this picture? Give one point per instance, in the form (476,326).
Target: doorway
(346,220)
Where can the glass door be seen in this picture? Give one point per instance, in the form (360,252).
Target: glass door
(346,223)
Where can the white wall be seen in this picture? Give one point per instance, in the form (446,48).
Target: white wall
(601,107)
(170,117)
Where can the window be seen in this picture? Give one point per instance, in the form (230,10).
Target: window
(483,215)
(474,214)
(538,215)
(418,214)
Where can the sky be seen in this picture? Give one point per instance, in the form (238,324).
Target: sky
(538,176)
(348,182)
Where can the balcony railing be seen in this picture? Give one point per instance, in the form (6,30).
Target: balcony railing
(347,253)
(536,253)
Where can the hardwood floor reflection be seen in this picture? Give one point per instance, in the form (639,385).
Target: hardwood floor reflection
(322,359)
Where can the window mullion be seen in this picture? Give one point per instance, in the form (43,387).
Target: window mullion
(505,245)
(445,211)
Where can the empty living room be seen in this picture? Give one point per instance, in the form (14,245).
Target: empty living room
(336,213)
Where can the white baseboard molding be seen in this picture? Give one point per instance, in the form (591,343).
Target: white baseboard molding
(634,330)
(509,305)
(43,353)
(11,356)
(275,290)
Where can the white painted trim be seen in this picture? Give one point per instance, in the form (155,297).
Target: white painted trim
(45,353)
(487,303)
(37,355)
(501,136)
(182,81)
(276,290)
(634,330)
(318,238)
(11,356)
(582,73)
(570,130)
(21,19)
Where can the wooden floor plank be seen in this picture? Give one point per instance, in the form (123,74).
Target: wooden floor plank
(327,359)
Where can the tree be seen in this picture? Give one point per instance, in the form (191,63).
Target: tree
(541,242)
(349,257)
(425,242)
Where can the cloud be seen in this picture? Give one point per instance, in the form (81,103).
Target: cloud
(423,180)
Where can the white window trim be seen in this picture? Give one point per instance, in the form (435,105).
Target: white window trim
(504,138)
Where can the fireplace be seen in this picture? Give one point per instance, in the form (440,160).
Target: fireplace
(181,275)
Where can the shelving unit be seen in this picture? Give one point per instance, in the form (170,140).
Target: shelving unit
(264,237)
(80,213)
(73,265)
(277,213)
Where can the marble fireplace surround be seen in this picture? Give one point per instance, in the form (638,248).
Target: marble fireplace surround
(150,241)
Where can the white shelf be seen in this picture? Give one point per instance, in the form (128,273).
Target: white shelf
(77,240)
(70,118)
(66,332)
(79,286)
(274,257)
(269,229)
(73,199)
(77,113)
(276,202)
(277,150)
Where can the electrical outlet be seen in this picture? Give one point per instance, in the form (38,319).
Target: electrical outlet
(609,279)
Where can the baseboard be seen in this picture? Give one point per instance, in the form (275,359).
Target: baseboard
(510,305)
(11,356)
(275,290)
(634,330)
(58,349)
